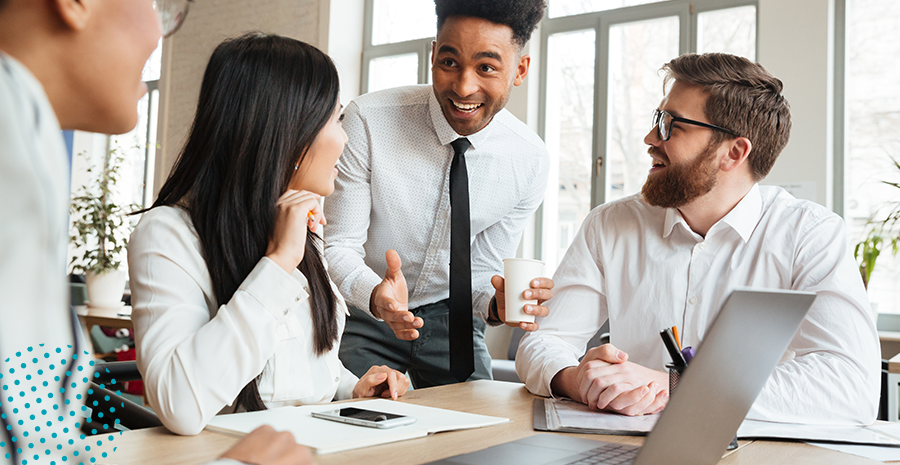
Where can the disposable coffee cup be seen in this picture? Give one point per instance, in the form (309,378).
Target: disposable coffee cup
(518,274)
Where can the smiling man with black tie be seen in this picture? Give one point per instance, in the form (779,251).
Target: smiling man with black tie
(446,177)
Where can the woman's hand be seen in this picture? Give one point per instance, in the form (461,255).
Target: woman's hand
(265,446)
(381,381)
(296,212)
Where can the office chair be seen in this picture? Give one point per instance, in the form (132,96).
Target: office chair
(118,412)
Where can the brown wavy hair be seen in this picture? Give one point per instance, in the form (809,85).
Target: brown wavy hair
(743,97)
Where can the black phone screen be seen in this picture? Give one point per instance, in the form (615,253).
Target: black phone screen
(368,415)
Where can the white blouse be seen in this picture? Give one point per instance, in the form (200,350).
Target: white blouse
(196,355)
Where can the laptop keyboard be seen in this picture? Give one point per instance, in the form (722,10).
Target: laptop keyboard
(606,454)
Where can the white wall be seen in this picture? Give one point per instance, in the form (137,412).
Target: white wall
(345,43)
(186,53)
(796,43)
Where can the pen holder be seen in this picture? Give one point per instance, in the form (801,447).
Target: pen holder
(675,373)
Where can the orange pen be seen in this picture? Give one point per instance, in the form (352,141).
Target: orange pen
(677,339)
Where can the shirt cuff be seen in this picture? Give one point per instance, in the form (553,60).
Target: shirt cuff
(480,306)
(345,387)
(492,312)
(362,290)
(553,368)
(273,288)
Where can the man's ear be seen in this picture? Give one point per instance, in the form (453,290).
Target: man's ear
(522,70)
(738,151)
(73,14)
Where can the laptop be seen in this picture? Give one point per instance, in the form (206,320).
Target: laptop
(733,362)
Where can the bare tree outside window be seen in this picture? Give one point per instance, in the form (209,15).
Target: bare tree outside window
(569,138)
(732,30)
(636,52)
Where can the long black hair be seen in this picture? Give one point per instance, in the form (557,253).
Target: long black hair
(263,100)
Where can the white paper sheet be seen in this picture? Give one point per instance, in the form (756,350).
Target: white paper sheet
(881,454)
(325,437)
(848,434)
(562,413)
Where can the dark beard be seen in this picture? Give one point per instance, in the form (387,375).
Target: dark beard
(678,185)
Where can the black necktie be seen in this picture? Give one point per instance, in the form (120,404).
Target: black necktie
(462,356)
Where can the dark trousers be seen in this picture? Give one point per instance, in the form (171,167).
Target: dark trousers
(367,342)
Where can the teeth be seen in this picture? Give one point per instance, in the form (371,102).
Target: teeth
(466,106)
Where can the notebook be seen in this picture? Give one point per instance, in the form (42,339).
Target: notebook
(325,437)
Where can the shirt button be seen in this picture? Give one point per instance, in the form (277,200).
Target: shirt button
(693,300)
(337,379)
(285,311)
(700,246)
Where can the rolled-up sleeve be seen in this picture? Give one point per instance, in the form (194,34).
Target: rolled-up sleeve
(577,311)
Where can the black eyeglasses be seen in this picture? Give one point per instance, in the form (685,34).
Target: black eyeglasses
(663,120)
(171,14)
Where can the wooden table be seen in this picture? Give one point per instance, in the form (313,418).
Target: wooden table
(511,400)
(108,317)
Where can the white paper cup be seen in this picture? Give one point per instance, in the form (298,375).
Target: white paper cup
(518,274)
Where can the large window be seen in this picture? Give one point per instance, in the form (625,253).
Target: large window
(599,88)
(397,43)
(139,145)
(599,83)
(872,102)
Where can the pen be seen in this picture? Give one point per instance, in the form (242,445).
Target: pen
(677,339)
(688,353)
(311,215)
(669,341)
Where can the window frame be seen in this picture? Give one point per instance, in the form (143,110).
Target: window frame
(601,22)
(419,47)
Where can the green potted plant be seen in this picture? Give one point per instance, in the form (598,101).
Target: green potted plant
(100,231)
(880,233)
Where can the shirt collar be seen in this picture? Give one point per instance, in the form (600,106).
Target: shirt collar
(743,218)
(673,217)
(446,134)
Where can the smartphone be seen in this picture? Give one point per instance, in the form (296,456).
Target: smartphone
(361,417)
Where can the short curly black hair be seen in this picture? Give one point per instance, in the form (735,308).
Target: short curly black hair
(522,16)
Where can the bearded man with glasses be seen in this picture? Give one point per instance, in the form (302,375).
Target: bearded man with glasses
(67,64)
(702,226)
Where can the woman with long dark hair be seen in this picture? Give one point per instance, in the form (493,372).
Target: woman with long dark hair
(232,302)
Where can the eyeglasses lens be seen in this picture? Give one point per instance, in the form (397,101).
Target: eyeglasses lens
(661,121)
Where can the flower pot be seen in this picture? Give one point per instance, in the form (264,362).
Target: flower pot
(105,289)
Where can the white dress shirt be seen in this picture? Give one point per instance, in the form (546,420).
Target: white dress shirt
(196,354)
(393,192)
(34,186)
(645,269)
